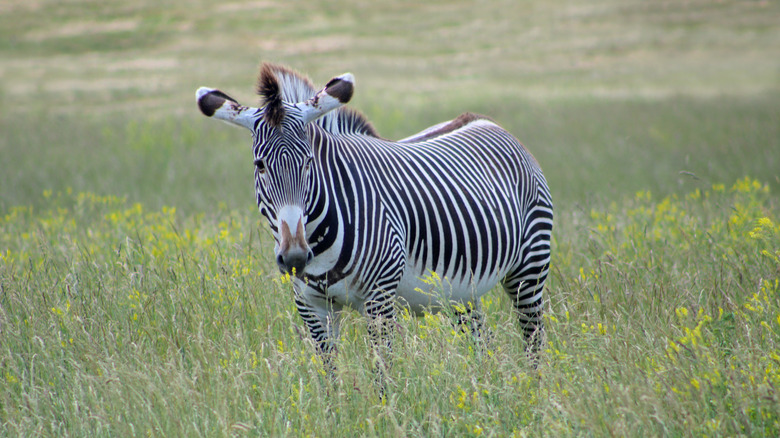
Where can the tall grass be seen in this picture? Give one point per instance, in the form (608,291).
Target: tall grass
(663,320)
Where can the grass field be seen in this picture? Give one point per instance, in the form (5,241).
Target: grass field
(138,293)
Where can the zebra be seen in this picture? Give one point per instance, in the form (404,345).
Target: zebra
(360,222)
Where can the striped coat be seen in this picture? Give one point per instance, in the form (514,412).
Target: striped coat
(361,221)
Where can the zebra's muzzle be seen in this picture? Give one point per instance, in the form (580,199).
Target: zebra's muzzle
(293,253)
(294,261)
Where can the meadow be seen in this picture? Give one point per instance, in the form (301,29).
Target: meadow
(138,292)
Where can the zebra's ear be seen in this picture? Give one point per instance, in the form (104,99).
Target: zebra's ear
(214,103)
(336,93)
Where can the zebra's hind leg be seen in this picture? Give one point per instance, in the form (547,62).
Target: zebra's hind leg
(525,283)
(525,287)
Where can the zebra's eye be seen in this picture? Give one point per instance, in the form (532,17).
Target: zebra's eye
(260,165)
(307,164)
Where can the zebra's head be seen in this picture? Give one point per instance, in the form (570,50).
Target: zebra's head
(285,164)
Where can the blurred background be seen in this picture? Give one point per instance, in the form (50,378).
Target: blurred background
(611,96)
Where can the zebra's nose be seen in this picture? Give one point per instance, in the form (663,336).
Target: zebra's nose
(294,260)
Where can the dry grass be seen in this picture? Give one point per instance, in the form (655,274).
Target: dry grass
(533,50)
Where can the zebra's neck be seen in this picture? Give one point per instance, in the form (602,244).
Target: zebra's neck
(325,227)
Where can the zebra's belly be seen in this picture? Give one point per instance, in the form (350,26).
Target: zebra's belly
(421,288)
(428,291)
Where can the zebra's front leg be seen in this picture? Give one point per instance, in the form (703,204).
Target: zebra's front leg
(380,312)
(471,321)
(322,319)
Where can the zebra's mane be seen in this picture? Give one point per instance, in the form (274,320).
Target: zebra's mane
(277,84)
(444,128)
